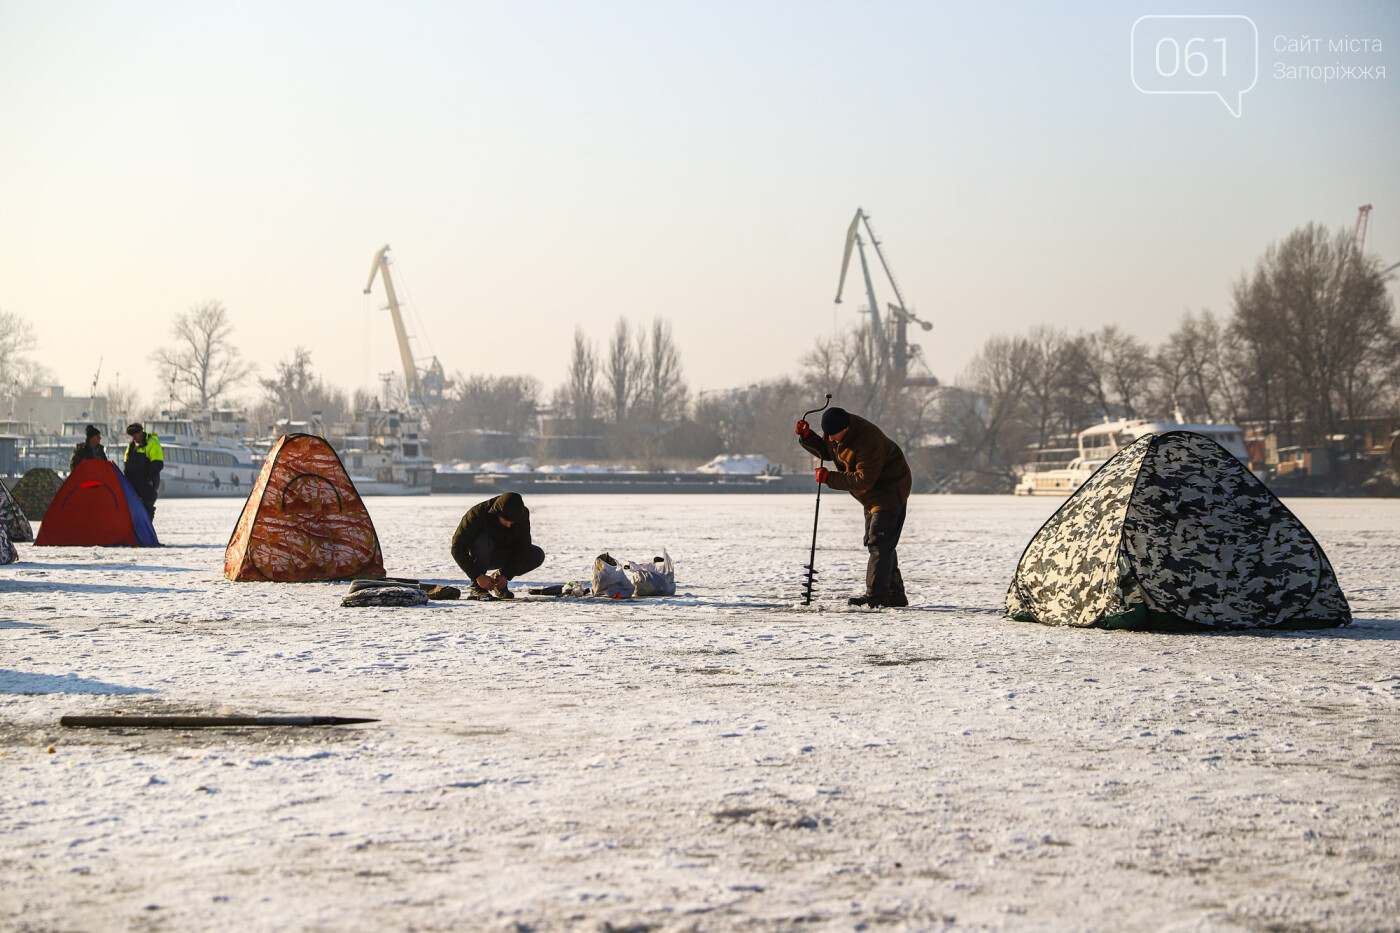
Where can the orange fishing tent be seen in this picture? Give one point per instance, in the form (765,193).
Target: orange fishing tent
(303,520)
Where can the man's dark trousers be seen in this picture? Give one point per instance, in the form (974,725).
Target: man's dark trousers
(882,577)
(147,494)
(510,563)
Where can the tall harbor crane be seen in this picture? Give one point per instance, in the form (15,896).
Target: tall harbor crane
(430,383)
(1358,234)
(894,355)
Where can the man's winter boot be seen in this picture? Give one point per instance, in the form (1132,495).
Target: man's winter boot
(478,593)
(897,601)
(503,591)
(868,600)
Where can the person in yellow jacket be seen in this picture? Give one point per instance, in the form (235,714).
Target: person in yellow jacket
(142,465)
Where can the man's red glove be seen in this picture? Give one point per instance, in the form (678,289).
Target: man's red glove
(803,429)
(822,474)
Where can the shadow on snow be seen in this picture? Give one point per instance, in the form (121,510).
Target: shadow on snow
(25,683)
(56,586)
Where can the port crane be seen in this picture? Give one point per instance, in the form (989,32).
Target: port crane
(1358,236)
(429,384)
(893,354)
(1358,233)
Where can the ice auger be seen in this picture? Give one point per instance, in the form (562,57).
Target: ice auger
(811,565)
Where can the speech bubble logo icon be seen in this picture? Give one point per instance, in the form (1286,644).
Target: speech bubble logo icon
(1179,54)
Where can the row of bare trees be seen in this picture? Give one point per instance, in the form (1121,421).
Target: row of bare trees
(635,395)
(630,398)
(1310,345)
(759,418)
(1314,335)
(638,378)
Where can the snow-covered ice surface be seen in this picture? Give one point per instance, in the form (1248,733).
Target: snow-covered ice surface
(723,760)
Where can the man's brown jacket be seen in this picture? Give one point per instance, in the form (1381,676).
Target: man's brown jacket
(872,467)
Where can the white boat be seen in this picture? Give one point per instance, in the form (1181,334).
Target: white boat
(205,456)
(1100,442)
(56,450)
(384,453)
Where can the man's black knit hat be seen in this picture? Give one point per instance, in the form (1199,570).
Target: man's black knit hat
(835,420)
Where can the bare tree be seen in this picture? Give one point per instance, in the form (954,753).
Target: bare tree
(664,393)
(18,373)
(869,387)
(1113,369)
(1317,313)
(849,366)
(623,372)
(1049,384)
(203,361)
(757,419)
(580,394)
(296,391)
(16,339)
(485,416)
(1370,340)
(912,413)
(498,403)
(291,382)
(1268,395)
(988,418)
(827,366)
(1190,375)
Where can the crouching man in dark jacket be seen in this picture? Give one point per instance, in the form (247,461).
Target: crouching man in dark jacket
(872,468)
(495,535)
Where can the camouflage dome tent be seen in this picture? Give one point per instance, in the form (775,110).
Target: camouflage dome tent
(12,517)
(35,491)
(1175,533)
(8,554)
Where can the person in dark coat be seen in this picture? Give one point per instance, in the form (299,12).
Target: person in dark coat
(142,465)
(872,468)
(90,449)
(495,536)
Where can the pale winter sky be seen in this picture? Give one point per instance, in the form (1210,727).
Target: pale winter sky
(537,166)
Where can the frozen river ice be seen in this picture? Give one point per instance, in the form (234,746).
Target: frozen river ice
(727,759)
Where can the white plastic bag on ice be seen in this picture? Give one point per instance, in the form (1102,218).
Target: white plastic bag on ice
(609,579)
(652,577)
(634,578)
